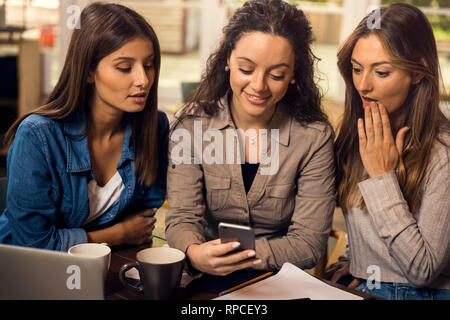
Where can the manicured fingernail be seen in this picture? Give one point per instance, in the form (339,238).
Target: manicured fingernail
(251,254)
(257,261)
(235,245)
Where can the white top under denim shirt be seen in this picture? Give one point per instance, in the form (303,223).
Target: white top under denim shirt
(49,169)
(407,247)
(102,198)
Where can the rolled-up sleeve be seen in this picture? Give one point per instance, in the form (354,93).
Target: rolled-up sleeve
(30,208)
(420,242)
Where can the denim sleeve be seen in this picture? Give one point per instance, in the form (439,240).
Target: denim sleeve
(156,195)
(31,208)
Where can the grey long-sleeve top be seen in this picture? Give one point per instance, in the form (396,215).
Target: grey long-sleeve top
(407,247)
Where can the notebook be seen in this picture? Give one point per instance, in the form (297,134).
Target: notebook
(35,274)
(218,284)
(290,283)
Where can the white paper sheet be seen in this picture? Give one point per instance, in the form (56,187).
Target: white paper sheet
(290,283)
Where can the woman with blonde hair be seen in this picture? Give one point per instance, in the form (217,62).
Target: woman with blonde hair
(393,168)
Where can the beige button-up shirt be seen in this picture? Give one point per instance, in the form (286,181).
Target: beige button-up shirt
(289,205)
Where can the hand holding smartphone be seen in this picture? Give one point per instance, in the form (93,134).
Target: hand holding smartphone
(229,232)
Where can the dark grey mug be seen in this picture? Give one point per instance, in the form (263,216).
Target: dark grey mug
(160,270)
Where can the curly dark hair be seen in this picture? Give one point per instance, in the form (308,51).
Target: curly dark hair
(303,99)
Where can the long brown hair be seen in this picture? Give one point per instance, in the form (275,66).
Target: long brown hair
(104,28)
(408,37)
(302,100)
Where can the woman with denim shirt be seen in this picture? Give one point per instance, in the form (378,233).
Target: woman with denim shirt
(393,159)
(90,164)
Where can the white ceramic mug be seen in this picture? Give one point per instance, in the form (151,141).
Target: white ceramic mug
(94,250)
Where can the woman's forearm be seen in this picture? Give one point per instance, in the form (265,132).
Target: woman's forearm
(112,236)
(418,242)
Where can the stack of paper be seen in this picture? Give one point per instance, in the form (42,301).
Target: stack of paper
(290,283)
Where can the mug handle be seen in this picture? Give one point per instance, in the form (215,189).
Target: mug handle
(123,279)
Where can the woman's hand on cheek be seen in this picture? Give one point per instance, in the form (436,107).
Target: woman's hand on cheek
(379,152)
(218,258)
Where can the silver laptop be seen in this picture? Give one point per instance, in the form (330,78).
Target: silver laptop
(35,274)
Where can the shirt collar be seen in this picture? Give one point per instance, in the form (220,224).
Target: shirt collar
(127,147)
(222,119)
(280,120)
(78,157)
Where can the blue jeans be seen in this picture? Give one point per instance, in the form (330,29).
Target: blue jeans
(403,291)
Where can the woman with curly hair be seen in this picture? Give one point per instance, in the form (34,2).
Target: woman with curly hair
(280,181)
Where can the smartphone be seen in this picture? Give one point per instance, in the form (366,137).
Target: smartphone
(229,232)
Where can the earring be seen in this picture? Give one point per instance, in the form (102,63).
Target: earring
(292,81)
(227,68)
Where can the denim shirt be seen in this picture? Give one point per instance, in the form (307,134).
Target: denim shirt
(48,170)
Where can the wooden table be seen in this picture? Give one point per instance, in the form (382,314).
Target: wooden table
(114,290)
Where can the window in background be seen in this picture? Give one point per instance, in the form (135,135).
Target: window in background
(438,13)
(40,19)
(180,28)
(31,13)
(177,24)
(26,58)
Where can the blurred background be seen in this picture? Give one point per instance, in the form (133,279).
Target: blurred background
(34,36)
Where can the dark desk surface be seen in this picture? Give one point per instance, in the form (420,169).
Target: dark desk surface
(114,290)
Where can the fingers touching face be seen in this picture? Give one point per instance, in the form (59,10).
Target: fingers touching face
(376,125)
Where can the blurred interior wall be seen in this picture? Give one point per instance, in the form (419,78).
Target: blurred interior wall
(214,18)
(353,12)
(69,11)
